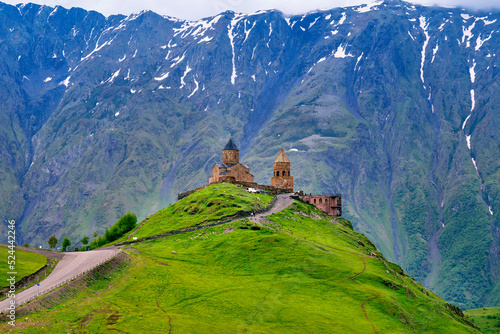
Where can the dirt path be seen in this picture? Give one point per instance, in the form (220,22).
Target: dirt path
(369,300)
(366,315)
(72,264)
(137,228)
(169,318)
(362,271)
(282,202)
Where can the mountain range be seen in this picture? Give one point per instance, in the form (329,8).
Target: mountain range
(394,105)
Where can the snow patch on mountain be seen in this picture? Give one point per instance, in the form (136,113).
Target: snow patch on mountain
(434,51)
(195,89)
(467,33)
(310,25)
(473,100)
(486,21)
(204,39)
(231,35)
(196,29)
(475,165)
(424,25)
(97,48)
(369,7)
(65,82)
(480,42)
(247,32)
(162,77)
(472,72)
(465,122)
(186,71)
(340,52)
(176,61)
(358,60)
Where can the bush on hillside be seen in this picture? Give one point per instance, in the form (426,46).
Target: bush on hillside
(125,224)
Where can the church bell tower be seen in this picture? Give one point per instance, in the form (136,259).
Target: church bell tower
(282,179)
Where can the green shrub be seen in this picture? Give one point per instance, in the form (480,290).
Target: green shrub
(125,224)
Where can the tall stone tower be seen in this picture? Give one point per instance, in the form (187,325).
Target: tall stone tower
(230,153)
(281,178)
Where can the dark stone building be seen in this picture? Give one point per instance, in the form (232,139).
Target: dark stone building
(230,170)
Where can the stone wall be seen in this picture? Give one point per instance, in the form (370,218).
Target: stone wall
(215,175)
(282,182)
(240,173)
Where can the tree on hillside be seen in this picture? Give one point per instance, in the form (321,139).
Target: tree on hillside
(52,241)
(95,238)
(85,241)
(66,243)
(125,224)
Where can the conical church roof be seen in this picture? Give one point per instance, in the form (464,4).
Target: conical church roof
(282,157)
(230,146)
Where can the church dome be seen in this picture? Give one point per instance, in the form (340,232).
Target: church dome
(282,157)
(230,146)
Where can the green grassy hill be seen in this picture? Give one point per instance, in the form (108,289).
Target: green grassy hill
(299,272)
(26,263)
(203,207)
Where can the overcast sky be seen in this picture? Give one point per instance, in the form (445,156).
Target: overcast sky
(196,9)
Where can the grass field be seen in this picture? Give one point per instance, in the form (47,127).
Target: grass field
(204,206)
(302,272)
(488,319)
(26,263)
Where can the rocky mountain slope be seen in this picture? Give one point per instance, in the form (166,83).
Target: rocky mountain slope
(393,105)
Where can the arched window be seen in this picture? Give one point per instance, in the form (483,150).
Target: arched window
(278,173)
(288,173)
(315,201)
(320,201)
(284,173)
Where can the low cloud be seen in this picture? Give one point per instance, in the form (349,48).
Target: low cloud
(196,9)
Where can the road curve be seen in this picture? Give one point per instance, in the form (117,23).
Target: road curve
(282,202)
(71,265)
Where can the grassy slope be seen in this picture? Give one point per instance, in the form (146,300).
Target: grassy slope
(488,319)
(209,204)
(26,264)
(302,273)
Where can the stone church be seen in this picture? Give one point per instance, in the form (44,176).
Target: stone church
(231,170)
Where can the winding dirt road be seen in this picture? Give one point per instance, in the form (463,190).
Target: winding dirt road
(282,201)
(71,265)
